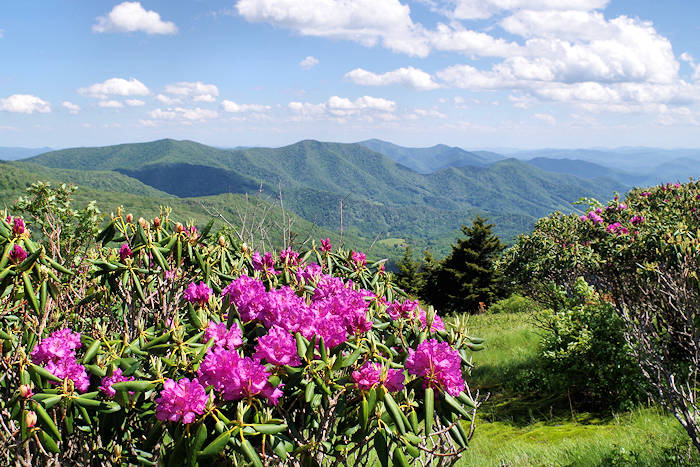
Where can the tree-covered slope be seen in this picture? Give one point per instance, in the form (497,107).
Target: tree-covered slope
(379,196)
(431,159)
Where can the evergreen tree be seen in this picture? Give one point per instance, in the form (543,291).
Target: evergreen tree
(466,277)
(408,277)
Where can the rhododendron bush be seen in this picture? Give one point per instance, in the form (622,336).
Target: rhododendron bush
(641,253)
(164,345)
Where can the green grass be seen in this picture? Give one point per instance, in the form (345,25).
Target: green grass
(517,428)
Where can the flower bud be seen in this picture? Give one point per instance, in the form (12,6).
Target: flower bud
(156,222)
(30,419)
(25,391)
(179,228)
(222,240)
(143,222)
(129,218)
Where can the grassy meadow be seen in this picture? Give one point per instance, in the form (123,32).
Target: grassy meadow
(520,428)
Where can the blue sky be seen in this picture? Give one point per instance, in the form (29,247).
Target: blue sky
(473,73)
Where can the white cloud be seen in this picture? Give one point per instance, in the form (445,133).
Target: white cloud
(308,63)
(483,9)
(25,104)
(545,118)
(365,21)
(230,106)
(183,114)
(116,87)
(197,91)
(341,108)
(134,102)
(132,17)
(409,76)
(110,104)
(686,57)
(422,113)
(71,107)
(167,100)
(456,38)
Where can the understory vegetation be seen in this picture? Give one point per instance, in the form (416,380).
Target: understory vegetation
(159,342)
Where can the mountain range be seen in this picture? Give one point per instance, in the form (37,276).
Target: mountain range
(393,194)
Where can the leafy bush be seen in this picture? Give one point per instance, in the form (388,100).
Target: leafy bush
(643,252)
(168,346)
(516,303)
(584,351)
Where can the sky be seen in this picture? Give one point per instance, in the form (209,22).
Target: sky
(470,73)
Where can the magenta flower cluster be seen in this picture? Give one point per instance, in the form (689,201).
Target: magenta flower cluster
(409,309)
(326,245)
(336,309)
(198,293)
(225,338)
(17,254)
(289,257)
(370,375)
(264,263)
(125,252)
(236,377)
(181,401)
(108,381)
(359,258)
(18,227)
(617,228)
(57,354)
(594,216)
(637,219)
(438,364)
(277,347)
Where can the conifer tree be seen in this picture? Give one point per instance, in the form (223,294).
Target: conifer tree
(467,277)
(408,277)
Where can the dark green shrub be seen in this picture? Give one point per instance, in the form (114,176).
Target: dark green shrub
(514,304)
(584,350)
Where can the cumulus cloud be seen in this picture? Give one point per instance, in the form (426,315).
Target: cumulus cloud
(110,104)
(484,9)
(409,76)
(365,21)
(25,104)
(197,91)
(134,102)
(132,17)
(167,100)
(342,108)
(308,63)
(183,114)
(71,107)
(115,87)
(230,106)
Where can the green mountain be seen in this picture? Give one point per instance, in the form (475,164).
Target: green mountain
(379,196)
(429,160)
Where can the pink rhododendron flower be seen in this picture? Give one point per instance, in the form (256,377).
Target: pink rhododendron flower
(637,219)
(223,337)
(247,294)
(264,263)
(326,245)
(236,377)
(410,309)
(125,252)
(17,254)
(311,273)
(18,226)
(57,354)
(277,347)
(108,381)
(198,293)
(181,401)
(645,194)
(289,257)
(370,375)
(438,364)
(359,258)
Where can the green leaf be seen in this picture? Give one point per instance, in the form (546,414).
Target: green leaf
(380,447)
(46,421)
(429,410)
(48,442)
(269,428)
(92,351)
(44,373)
(250,453)
(399,457)
(395,412)
(216,446)
(137,386)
